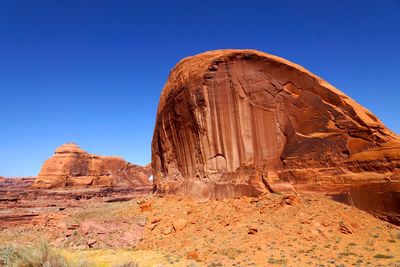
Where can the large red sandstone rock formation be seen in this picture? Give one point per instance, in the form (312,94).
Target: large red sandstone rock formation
(242,122)
(72,166)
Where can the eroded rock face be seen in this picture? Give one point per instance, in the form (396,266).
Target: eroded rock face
(16,182)
(72,166)
(243,122)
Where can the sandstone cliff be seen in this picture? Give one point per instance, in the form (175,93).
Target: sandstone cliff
(242,122)
(72,166)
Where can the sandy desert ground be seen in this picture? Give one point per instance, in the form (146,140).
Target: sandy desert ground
(112,228)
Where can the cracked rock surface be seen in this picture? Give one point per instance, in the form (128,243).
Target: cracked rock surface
(243,122)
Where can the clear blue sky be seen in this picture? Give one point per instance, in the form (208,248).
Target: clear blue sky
(91,72)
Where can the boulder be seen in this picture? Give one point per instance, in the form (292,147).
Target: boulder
(72,166)
(243,122)
(179,224)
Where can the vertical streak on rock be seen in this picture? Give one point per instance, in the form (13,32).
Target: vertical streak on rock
(245,118)
(254,129)
(237,142)
(213,135)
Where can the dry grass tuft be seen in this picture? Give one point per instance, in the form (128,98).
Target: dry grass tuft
(43,255)
(40,255)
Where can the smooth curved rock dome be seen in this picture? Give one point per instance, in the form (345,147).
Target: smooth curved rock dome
(69,148)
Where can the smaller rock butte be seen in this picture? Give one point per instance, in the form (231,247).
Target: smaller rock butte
(72,166)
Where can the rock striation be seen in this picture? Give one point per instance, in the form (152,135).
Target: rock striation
(72,166)
(16,182)
(243,122)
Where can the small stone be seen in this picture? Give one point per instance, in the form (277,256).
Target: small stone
(193,255)
(179,224)
(167,230)
(146,206)
(291,200)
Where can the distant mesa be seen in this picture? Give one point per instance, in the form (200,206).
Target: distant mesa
(72,166)
(243,122)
